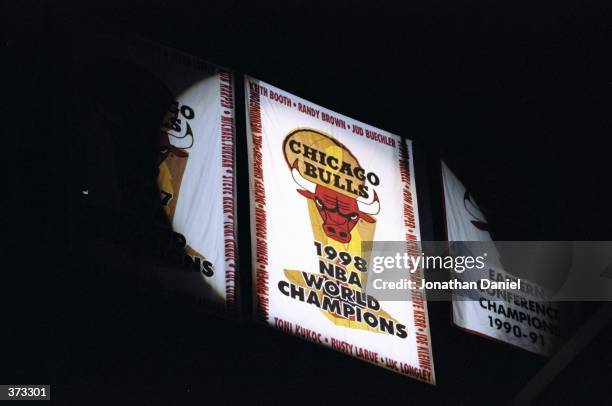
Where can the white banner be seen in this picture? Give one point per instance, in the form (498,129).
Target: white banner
(523,319)
(321,184)
(195,160)
(197,176)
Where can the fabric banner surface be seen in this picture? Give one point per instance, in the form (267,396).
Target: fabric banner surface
(195,157)
(525,318)
(321,185)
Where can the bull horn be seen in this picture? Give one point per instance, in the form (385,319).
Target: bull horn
(184,142)
(300,180)
(369,208)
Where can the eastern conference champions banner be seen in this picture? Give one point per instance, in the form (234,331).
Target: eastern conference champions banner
(195,161)
(321,184)
(524,318)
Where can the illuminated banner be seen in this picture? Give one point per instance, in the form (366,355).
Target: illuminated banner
(522,317)
(195,157)
(321,185)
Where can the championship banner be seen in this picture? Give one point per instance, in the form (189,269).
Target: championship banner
(195,158)
(322,186)
(523,317)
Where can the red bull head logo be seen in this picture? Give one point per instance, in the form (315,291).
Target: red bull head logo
(176,127)
(472,208)
(327,174)
(339,213)
(175,138)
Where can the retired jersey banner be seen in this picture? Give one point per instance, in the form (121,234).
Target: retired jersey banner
(195,158)
(322,186)
(523,317)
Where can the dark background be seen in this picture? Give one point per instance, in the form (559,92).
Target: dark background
(515,98)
